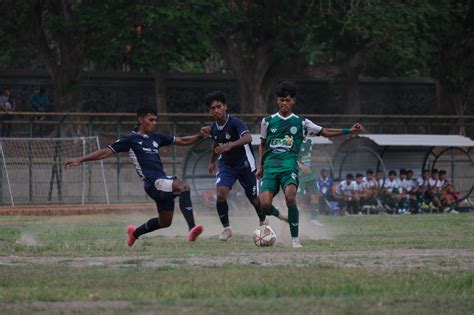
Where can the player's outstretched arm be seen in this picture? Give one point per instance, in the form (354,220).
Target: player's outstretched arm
(243,140)
(188,140)
(334,132)
(94,156)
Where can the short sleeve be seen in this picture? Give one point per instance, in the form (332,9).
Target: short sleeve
(263,129)
(240,127)
(311,129)
(121,145)
(165,139)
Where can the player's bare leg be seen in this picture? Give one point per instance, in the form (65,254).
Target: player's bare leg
(266,199)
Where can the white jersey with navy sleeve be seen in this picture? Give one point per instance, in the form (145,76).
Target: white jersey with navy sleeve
(144,152)
(232,130)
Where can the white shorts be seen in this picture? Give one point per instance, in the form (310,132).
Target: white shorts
(164,184)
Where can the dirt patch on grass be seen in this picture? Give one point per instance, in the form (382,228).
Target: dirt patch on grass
(105,307)
(447,259)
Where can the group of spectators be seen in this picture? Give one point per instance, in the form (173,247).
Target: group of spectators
(400,193)
(39,102)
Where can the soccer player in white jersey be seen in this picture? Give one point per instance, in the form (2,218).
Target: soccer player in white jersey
(405,186)
(349,191)
(391,191)
(362,192)
(143,144)
(435,189)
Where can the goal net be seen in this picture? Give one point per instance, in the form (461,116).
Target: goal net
(32,172)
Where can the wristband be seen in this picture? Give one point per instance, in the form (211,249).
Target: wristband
(346,131)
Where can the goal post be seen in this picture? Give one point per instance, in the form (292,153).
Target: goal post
(32,172)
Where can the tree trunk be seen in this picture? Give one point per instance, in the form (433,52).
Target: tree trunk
(351,92)
(160,98)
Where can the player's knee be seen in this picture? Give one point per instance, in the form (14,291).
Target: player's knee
(290,200)
(165,222)
(221,197)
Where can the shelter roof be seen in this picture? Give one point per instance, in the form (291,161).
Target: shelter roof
(408,140)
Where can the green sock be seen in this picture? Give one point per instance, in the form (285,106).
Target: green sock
(293,219)
(274,211)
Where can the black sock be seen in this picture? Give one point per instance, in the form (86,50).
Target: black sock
(147,227)
(223,211)
(186,207)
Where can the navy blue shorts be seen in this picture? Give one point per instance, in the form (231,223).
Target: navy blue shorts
(161,191)
(227,176)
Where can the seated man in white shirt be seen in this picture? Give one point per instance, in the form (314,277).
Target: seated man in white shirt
(348,190)
(391,191)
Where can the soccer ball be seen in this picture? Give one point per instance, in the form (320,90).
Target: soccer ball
(264,236)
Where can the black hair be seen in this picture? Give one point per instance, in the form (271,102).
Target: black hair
(409,171)
(358,175)
(349,176)
(434,171)
(370,171)
(214,96)
(425,171)
(379,171)
(392,172)
(403,171)
(286,88)
(143,111)
(442,172)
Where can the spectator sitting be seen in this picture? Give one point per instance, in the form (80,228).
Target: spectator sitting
(412,192)
(448,196)
(348,191)
(391,192)
(435,190)
(405,186)
(372,186)
(423,192)
(362,192)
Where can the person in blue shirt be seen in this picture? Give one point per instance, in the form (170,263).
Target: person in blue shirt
(236,160)
(143,146)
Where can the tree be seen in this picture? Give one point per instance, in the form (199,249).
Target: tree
(452,63)
(149,36)
(261,42)
(372,38)
(52,29)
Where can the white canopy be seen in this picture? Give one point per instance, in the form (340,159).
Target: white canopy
(420,140)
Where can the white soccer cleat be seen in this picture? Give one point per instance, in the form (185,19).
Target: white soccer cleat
(296,244)
(226,234)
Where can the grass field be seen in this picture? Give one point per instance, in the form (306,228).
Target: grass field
(353,265)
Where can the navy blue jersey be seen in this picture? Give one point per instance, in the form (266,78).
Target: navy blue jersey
(144,152)
(231,131)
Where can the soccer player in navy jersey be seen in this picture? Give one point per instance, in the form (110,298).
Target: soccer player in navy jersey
(232,145)
(143,146)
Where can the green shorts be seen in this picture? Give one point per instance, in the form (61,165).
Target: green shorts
(273,181)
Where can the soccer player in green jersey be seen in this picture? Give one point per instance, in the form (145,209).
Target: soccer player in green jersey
(282,134)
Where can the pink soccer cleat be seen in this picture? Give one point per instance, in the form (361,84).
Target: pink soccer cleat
(194,232)
(131,239)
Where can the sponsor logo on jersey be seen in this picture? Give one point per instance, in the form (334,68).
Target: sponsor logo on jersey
(155,144)
(227,136)
(273,130)
(281,145)
(293,130)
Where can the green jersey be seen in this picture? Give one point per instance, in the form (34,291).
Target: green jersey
(284,136)
(305,152)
